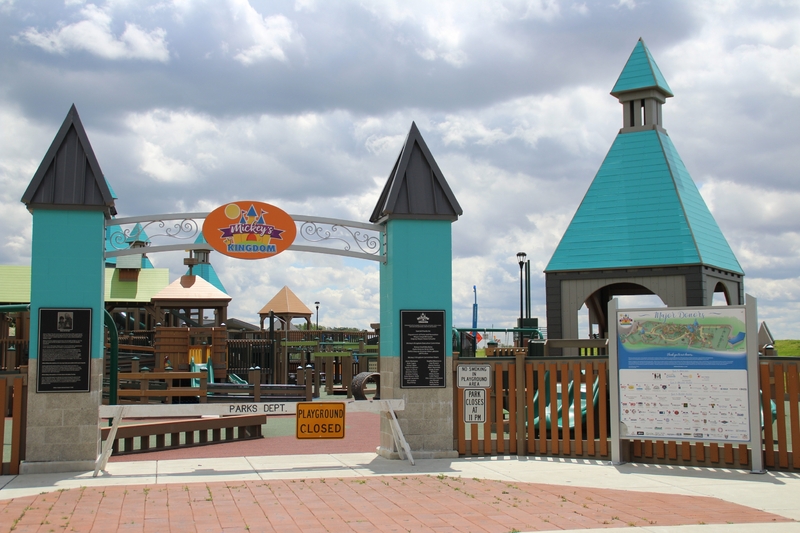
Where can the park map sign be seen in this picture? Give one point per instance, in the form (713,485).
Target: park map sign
(683,374)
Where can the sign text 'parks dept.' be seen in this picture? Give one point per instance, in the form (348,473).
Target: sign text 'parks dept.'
(259,408)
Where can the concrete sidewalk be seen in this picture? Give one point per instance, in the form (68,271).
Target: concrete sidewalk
(364,492)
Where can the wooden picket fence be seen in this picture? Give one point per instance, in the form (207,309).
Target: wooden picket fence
(521,419)
(780,383)
(528,393)
(13,399)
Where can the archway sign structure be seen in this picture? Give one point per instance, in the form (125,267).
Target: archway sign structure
(409,234)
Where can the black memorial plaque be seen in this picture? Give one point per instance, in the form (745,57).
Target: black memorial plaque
(422,349)
(65,350)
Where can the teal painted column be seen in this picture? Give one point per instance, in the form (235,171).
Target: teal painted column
(67,272)
(417,275)
(67,268)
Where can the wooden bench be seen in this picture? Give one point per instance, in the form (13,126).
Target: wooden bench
(137,438)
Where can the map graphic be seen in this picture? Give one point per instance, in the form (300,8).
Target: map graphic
(682,339)
(708,336)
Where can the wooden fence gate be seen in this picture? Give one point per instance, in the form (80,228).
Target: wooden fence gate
(559,407)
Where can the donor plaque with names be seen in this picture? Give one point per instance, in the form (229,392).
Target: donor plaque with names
(422,349)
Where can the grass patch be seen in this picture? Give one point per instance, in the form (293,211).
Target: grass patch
(789,348)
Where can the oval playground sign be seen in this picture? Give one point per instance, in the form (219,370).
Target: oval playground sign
(249,230)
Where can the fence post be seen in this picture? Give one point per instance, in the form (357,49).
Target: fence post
(17,439)
(309,389)
(520,393)
(204,389)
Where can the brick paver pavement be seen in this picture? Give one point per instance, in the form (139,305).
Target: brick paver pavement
(365,504)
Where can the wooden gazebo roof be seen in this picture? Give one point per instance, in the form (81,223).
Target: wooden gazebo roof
(286,306)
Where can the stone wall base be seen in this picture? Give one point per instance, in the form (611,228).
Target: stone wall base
(53,467)
(426,421)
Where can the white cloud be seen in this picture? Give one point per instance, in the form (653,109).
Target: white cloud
(23,144)
(93,34)
(270,35)
(171,144)
(750,208)
(630,4)
(574,118)
(305,5)
(162,167)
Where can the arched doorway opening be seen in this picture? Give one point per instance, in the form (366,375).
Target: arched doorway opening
(592,317)
(721,295)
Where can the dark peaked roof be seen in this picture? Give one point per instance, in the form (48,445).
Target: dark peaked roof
(69,175)
(416,188)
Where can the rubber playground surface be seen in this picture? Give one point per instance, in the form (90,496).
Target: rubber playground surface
(282,484)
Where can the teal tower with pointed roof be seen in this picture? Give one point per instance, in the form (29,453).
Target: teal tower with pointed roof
(642,227)
(418,208)
(65,389)
(199,265)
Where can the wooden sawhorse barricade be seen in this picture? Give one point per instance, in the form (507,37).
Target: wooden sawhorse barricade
(118,412)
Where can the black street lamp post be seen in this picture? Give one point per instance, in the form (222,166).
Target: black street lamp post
(521,260)
(317,304)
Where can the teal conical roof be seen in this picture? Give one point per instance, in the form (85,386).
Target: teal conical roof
(114,235)
(640,72)
(206,270)
(642,210)
(137,235)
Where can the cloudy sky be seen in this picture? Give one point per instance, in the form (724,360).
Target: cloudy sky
(305,105)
